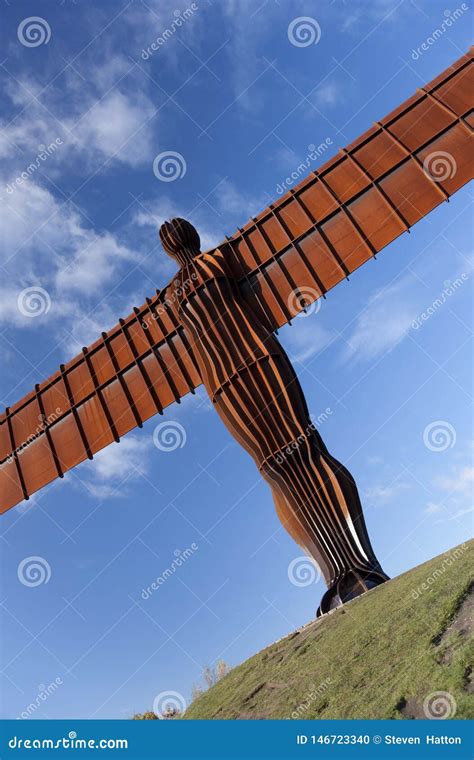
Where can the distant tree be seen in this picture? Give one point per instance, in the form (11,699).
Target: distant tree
(196,691)
(211,675)
(221,669)
(145,716)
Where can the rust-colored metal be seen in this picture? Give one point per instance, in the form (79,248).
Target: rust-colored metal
(256,393)
(214,324)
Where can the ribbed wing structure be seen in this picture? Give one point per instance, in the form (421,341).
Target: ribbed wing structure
(132,372)
(341,216)
(292,253)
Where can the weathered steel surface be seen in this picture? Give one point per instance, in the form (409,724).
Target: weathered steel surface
(256,393)
(294,251)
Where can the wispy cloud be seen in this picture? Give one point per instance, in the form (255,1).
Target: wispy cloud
(114,467)
(461,481)
(458,486)
(108,121)
(381,494)
(306,338)
(383,323)
(327,94)
(49,243)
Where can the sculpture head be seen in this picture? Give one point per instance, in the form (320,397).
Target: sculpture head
(180,240)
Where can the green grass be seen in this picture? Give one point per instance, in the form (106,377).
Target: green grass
(380,656)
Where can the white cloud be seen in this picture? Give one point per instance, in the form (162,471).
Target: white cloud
(383,494)
(306,338)
(117,127)
(92,263)
(459,485)
(109,120)
(383,323)
(461,481)
(48,244)
(114,467)
(327,94)
(119,458)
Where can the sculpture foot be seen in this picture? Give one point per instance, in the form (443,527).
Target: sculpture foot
(349,585)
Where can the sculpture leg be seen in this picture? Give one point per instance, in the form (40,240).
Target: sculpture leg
(315,496)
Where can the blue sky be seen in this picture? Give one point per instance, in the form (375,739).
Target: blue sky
(240,103)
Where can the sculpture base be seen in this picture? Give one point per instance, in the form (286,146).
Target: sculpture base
(348,586)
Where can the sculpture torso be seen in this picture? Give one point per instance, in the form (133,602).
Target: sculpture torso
(228,335)
(256,393)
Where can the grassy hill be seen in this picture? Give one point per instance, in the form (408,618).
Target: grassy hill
(380,656)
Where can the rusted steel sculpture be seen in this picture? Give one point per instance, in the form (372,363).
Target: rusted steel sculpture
(256,393)
(214,324)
